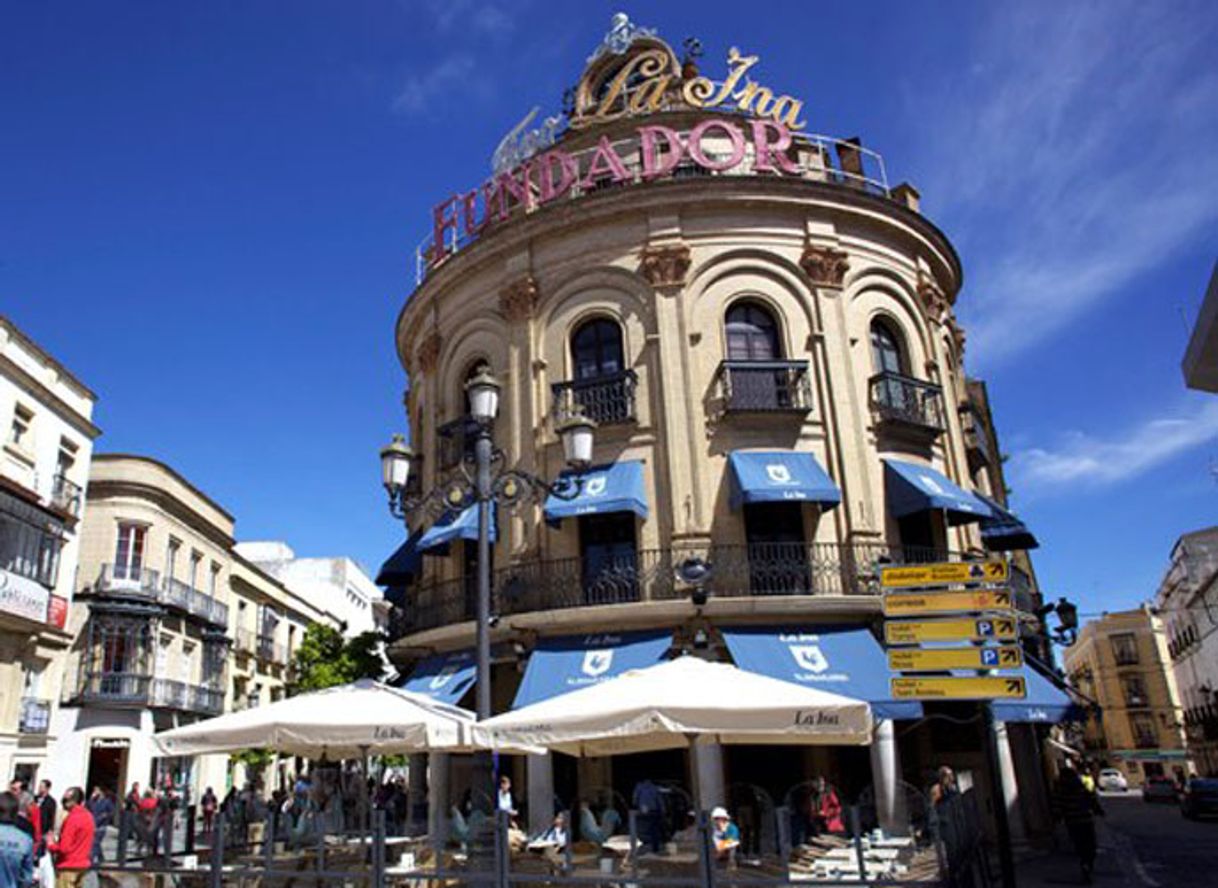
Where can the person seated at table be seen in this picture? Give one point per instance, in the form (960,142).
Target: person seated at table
(828,808)
(724,834)
(554,837)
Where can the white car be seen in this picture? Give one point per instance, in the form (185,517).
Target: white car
(1112,780)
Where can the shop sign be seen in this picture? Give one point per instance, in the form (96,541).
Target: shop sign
(986,687)
(522,143)
(57,613)
(23,597)
(918,631)
(111,743)
(939,659)
(553,174)
(944,574)
(909,604)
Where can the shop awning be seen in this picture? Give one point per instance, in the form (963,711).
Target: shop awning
(1004,532)
(444,677)
(763,476)
(915,488)
(617,487)
(568,663)
(461,525)
(1046,703)
(403,565)
(844,660)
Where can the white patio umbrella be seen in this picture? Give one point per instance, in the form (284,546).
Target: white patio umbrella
(349,721)
(676,703)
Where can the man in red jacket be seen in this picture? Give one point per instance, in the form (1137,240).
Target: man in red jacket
(73,849)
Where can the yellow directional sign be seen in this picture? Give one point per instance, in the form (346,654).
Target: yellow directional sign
(943,574)
(909,604)
(937,659)
(986,687)
(979,629)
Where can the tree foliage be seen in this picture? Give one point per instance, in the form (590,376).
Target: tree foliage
(325,659)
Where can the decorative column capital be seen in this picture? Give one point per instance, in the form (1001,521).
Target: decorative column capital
(826,266)
(932,298)
(518,299)
(958,335)
(428,352)
(665,266)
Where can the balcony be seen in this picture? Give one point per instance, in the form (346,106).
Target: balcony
(902,404)
(65,496)
(1145,740)
(757,570)
(139,691)
(142,582)
(268,651)
(607,400)
(35,716)
(976,438)
(246,642)
(764,387)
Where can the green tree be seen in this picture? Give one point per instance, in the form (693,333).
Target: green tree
(324,659)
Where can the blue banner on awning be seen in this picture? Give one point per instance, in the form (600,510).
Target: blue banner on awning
(568,663)
(403,565)
(1045,703)
(444,677)
(915,488)
(763,476)
(461,525)
(844,660)
(1004,532)
(617,487)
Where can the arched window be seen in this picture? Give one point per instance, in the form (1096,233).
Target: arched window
(752,333)
(886,351)
(596,349)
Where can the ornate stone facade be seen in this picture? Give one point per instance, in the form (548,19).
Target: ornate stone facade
(518,300)
(826,266)
(665,266)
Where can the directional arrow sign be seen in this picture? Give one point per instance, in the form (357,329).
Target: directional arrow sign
(984,629)
(943,574)
(939,659)
(908,604)
(987,687)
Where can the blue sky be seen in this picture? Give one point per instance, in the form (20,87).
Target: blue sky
(209,213)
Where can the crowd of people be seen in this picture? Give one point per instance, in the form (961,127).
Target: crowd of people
(37,846)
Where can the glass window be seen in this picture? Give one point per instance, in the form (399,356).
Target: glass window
(1124,649)
(596,349)
(19,432)
(1135,690)
(129,551)
(196,558)
(752,333)
(171,558)
(212,580)
(886,351)
(66,458)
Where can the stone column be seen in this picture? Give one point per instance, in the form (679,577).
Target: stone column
(417,795)
(1010,785)
(886,779)
(708,776)
(517,302)
(437,793)
(539,772)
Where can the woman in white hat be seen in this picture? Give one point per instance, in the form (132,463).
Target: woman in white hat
(724,833)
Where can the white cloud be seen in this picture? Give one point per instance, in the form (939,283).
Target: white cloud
(419,91)
(471,16)
(1074,156)
(1084,459)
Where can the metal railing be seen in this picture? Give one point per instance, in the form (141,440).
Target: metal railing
(764,387)
(269,651)
(130,579)
(35,716)
(140,690)
(607,400)
(910,402)
(749,570)
(146,583)
(245,641)
(65,495)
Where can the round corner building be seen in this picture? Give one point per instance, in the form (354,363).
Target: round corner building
(763,332)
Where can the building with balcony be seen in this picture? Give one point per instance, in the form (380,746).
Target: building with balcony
(1123,663)
(46,443)
(763,330)
(173,626)
(1187,602)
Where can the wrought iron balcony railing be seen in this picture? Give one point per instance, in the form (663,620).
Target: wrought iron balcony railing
(130,580)
(138,690)
(608,400)
(764,387)
(751,570)
(35,716)
(245,641)
(907,402)
(269,651)
(147,584)
(65,495)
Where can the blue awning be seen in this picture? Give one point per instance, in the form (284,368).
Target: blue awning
(403,565)
(763,476)
(1046,703)
(617,487)
(461,525)
(844,660)
(560,665)
(915,488)
(444,677)
(1004,532)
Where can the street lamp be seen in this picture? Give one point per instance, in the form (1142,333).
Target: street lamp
(1066,632)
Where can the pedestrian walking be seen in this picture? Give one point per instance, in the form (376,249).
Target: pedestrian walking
(1077,809)
(101,806)
(209,803)
(73,847)
(16,846)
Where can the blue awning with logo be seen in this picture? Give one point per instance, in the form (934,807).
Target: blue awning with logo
(444,677)
(568,663)
(1004,532)
(915,488)
(1045,703)
(763,476)
(617,487)
(403,565)
(844,660)
(461,525)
